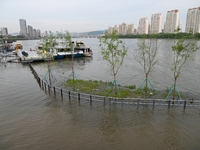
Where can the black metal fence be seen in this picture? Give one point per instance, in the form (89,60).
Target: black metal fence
(70,95)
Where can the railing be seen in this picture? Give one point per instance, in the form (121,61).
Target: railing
(70,95)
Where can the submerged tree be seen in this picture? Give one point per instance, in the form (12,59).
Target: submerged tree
(69,44)
(182,50)
(145,55)
(113,51)
(47,50)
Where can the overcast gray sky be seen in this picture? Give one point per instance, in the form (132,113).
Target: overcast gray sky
(85,15)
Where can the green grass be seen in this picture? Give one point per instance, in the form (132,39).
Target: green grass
(101,88)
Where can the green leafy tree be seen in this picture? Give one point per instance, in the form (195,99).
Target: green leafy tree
(113,51)
(48,45)
(145,55)
(182,50)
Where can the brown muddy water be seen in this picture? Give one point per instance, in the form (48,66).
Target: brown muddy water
(31,119)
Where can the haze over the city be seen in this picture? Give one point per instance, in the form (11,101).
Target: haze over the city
(88,15)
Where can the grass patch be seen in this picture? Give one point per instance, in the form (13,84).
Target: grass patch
(103,89)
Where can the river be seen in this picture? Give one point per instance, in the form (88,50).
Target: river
(31,119)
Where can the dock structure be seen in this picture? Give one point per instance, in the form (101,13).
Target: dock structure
(31,55)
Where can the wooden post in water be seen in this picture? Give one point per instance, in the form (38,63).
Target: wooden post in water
(61,93)
(45,86)
(39,81)
(42,83)
(184,105)
(169,104)
(153,103)
(138,103)
(49,89)
(69,95)
(90,99)
(104,101)
(79,97)
(54,91)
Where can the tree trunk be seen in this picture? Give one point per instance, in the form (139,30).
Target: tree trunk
(174,90)
(115,84)
(73,63)
(49,74)
(146,89)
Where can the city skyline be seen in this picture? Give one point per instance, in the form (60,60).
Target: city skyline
(79,16)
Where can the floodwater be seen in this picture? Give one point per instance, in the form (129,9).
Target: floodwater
(32,119)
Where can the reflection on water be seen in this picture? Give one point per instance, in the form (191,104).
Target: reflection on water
(31,119)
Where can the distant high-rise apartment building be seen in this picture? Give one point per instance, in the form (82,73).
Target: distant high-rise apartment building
(39,33)
(123,28)
(50,33)
(110,30)
(30,31)
(130,29)
(193,20)
(143,26)
(172,21)
(135,31)
(120,29)
(57,33)
(34,33)
(45,34)
(4,31)
(23,28)
(116,28)
(156,23)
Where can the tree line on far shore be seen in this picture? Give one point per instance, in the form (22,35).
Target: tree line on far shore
(148,36)
(163,35)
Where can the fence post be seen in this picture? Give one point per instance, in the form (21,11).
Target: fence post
(184,105)
(61,93)
(54,91)
(45,86)
(90,99)
(138,103)
(153,103)
(49,89)
(79,97)
(69,95)
(39,81)
(169,104)
(42,84)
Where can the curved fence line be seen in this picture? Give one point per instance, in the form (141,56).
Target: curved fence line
(70,95)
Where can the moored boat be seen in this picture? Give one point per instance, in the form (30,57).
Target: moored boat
(61,49)
(88,52)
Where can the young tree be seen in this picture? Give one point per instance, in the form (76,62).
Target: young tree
(70,44)
(145,55)
(182,50)
(48,45)
(47,50)
(113,51)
